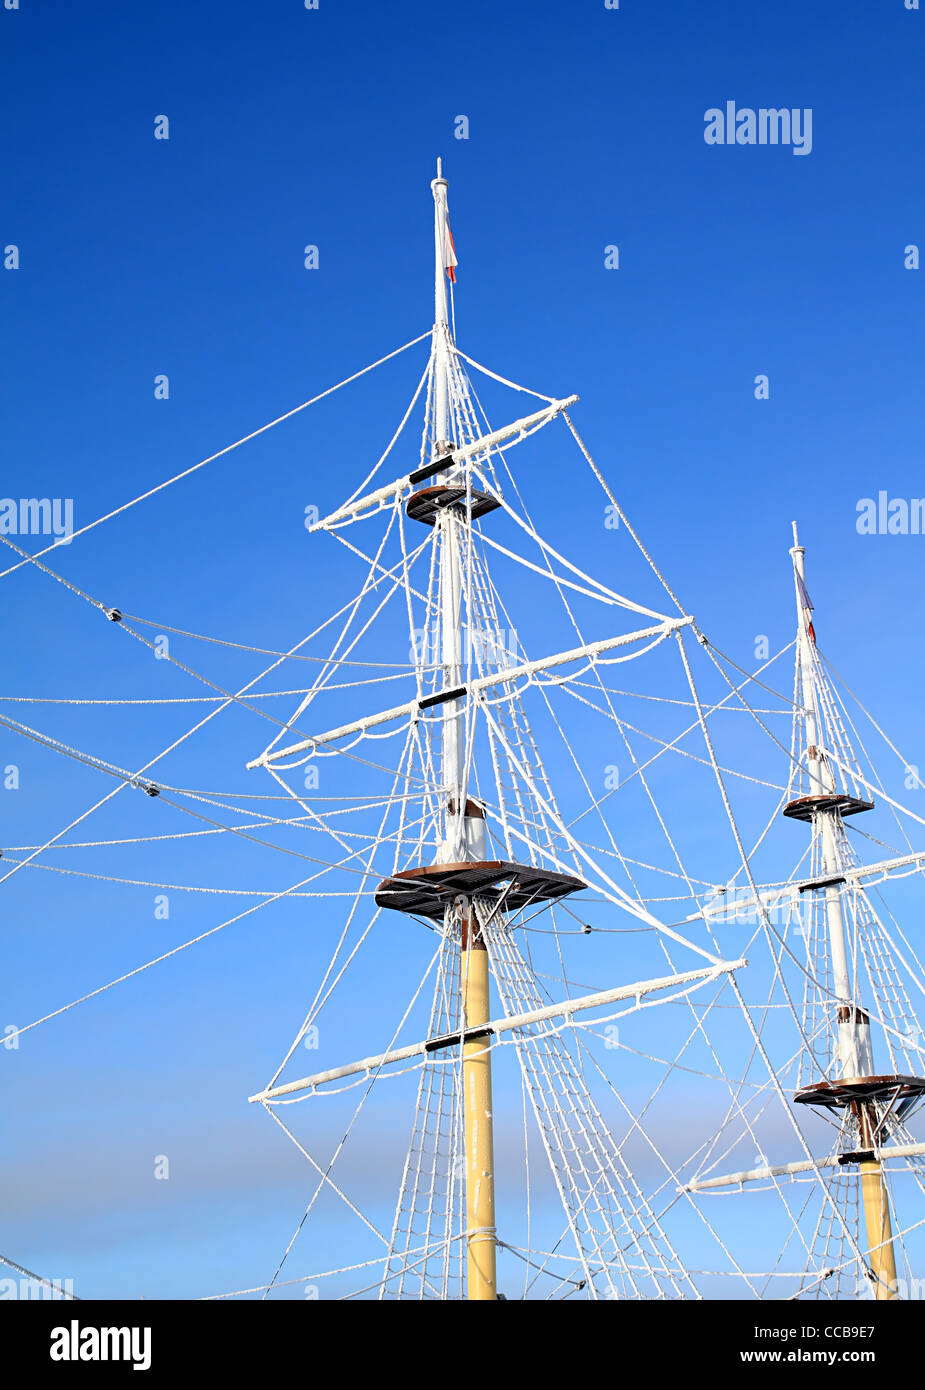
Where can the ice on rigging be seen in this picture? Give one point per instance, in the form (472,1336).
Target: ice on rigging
(500,850)
(449,813)
(852,988)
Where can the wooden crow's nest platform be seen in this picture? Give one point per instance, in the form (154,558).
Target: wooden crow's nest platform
(851,1090)
(425,504)
(805,807)
(425,892)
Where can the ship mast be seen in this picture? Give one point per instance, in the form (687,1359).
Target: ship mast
(464,824)
(448,522)
(475,901)
(856,1086)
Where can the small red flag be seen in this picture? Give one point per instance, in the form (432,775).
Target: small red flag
(449,252)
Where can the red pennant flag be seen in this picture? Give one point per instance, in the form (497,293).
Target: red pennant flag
(449,252)
(806,604)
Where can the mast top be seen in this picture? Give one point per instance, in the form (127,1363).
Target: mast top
(443,260)
(796,541)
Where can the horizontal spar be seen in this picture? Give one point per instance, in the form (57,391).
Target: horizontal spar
(546,663)
(465,451)
(504,1025)
(803,1165)
(771,897)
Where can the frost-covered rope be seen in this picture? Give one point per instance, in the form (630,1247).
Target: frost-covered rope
(142,497)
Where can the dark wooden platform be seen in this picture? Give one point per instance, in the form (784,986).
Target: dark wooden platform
(805,807)
(849,1091)
(425,504)
(425,892)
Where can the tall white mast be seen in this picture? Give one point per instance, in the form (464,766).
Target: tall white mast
(453,848)
(460,834)
(822,784)
(824,807)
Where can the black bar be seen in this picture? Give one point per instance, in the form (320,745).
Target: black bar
(449,1039)
(442,698)
(429,469)
(823,883)
(214,1339)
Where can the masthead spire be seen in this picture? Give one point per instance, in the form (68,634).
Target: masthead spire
(439,187)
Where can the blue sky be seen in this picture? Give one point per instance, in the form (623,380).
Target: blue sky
(184,256)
